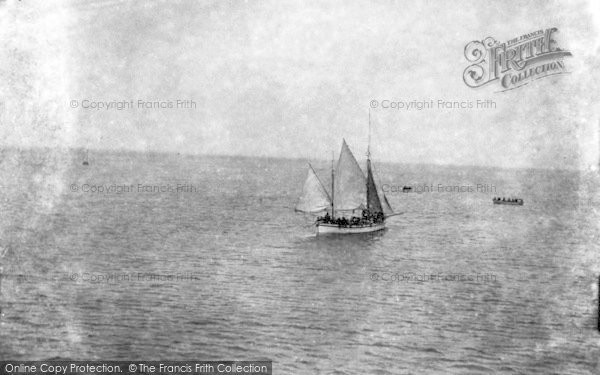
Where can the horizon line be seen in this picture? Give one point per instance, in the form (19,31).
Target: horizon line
(299,158)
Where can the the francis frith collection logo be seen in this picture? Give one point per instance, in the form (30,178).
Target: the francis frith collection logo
(516,62)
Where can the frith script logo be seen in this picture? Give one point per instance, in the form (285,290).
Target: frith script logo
(514,63)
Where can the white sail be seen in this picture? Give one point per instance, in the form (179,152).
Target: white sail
(314,198)
(350,185)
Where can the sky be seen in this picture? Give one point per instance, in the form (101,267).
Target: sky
(292,78)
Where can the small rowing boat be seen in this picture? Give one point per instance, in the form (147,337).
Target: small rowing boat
(508,201)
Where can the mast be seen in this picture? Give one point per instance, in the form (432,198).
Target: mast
(369,158)
(369,143)
(332,187)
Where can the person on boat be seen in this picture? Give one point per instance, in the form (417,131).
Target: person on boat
(326,218)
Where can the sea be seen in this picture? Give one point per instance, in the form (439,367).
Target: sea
(154,256)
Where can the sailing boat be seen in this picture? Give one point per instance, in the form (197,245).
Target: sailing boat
(355,205)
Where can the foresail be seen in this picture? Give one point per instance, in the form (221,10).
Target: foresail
(350,188)
(314,197)
(372,194)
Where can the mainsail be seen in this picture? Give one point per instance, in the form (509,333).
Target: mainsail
(314,197)
(350,185)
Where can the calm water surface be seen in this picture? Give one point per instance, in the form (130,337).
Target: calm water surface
(229,271)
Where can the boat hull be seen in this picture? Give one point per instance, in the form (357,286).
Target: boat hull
(336,229)
(509,203)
